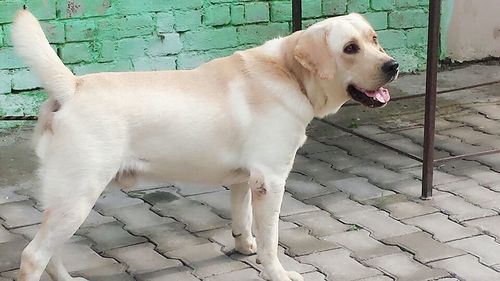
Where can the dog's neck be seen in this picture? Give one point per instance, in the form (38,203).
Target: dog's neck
(321,93)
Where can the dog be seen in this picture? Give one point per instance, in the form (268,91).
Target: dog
(236,121)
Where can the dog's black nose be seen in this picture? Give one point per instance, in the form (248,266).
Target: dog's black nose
(390,67)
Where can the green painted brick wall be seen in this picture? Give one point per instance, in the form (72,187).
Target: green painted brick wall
(126,35)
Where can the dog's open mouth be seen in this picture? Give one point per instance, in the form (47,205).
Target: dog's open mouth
(377,98)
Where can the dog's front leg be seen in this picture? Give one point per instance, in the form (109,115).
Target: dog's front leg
(266,210)
(241,210)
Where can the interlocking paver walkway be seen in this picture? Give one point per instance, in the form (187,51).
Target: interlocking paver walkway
(351,211)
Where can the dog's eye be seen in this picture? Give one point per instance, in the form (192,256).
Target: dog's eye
(375,38)
(351,49)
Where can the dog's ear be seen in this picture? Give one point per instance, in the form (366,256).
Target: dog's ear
(313,52)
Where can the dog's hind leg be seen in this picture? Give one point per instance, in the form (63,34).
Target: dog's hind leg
(72,180)
(241,211)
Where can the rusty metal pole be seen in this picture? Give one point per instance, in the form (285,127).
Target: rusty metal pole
(296,15)
(430,97)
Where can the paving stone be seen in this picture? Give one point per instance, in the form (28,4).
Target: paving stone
(337,265)
(219,201)
(469,135)
(441,227)
(489,225)
(402,266)
(13,274)
(299,242)
(194,189)
(467,267)
(8,194)
(409,146)
(170,236)
(5,235)
(287,262)
(406,209)
(439,177)
(458,209)
(10,256)
(142,258)
(312,146)
(424,247)
(480,196)
(409,187)
(206,260)
(95,219)
(111,235)
(321,172)
(392,160)
(176,273)
(479,173)
(78,256)
(377,175)
(114,198)
(360,189)
(483,246)
(314,276)
(491,111)
(361,244)
(303,187)
(244,274)
(376,278)
(493,186)
(17,214)
(320,223)
(292,206)
(138,216)
(339,160)
(338,204)
(196,216)
(111,272)
(378,223)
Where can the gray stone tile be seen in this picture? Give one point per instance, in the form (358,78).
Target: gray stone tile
(361,244)
(321,172)
(292,206)
(339,266)
(21,213)
(78,256)
(441,227)
(303,187)
(424,247)
(312,146)
(320,223)
(176,273)
(111,235)
(8,194)
(10,256)
(219,201)
(13,274)
(169,237)
(402,266)
(142,258)
(111,272)
(339,160)
(287,262)
(489,225)
(114,198)
(360,189)
(244,274)
(483,246)
(400,208)
(458,209)
(338,204)
(314,276)
(299,242)
(409,187)
(467,267)
(206,260)
(6,236)
(138,216)
(439,177)
(186,189)
(377,174)
(95,219)
(378,223)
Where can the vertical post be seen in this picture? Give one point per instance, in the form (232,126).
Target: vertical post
(296,15)
(430,97)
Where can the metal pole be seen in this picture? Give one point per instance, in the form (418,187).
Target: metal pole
(296,15)
(430,97)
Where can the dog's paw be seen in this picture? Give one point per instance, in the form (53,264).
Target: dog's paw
(246,246)
(294,276)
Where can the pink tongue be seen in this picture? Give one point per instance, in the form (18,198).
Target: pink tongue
(382,95)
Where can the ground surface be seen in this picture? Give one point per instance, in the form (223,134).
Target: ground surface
(351,212)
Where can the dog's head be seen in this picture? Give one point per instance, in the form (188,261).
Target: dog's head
(344,52)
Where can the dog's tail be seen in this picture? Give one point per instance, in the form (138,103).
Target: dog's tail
(32,45)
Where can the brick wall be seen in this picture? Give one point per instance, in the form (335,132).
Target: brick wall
(122,35)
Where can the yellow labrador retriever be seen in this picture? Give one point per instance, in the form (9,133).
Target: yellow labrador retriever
(236,121)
